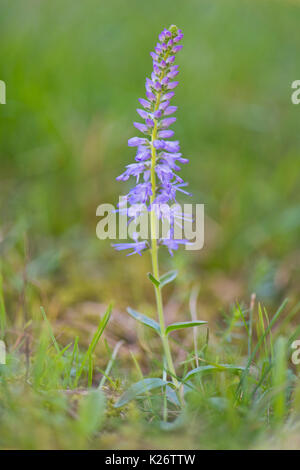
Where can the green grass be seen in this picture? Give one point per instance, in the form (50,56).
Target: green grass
(73,72)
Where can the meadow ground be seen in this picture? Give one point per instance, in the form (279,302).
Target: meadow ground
(73,72)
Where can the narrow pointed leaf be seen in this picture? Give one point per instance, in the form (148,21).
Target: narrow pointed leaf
(139,389)
(101,327)
(167,278)
(186,324)
(213,367)
(153,280)
(143,319)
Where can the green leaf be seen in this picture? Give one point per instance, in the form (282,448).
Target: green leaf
(259,342)
(186,324)
(153,280)
(143,319)
(213,367)
(168,277)
(139,389)
(50,330)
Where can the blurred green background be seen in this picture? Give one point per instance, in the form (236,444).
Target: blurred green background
(74,71)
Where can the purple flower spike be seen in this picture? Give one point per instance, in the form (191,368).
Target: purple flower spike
(154,150)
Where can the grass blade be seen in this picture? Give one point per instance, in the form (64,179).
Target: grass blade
(140,388)
(2,309)
(55,343)
(211,368)
(111,363)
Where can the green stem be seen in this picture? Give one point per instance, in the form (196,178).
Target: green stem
(154,255)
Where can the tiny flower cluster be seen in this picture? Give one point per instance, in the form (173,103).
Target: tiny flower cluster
(157,157)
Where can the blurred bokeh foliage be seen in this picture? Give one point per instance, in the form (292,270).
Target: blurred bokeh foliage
(74,71)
